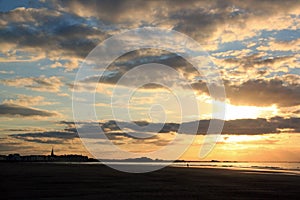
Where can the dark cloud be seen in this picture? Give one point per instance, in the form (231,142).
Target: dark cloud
(249,126)
(254,126)
(49,134)
(42,83)
(12,110)
(51,137)
(38,31)
(22,129)
(128,135)
(148,55)
(238,126)
(297,112)
(130,60)
(86,130)
(199,19)
(260,92)
(116,11)
(256,61)
(287,123)
(60,40)
(144,56)
(202,20)
(264,93)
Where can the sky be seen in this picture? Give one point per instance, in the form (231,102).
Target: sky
(254,45)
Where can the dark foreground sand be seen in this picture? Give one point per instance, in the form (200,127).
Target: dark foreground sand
(66,181)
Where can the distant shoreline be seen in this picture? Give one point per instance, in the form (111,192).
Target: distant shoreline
(70,157)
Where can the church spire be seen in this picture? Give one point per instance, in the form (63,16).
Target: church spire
(52,152)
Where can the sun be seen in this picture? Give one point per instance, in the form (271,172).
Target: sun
(214,108)
(249,112)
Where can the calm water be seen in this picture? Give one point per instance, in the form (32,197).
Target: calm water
(269,166)
(293,167)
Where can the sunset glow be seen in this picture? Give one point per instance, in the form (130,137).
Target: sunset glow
(137,76)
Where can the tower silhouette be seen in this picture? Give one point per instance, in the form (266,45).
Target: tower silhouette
(52,152)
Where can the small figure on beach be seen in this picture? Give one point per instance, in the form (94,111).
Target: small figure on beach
(187,165)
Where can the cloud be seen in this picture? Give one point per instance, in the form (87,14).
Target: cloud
(202,20)
(49,137)
(24,100)
(13,110)
(258,17)
(6,72)
(11,145)
(88,130)
(152,75)
(240,66)
(33,145)
(63,33)
(30,34)
(255,65)
(241,88)
(125,140)
(236,127)
(27,15)
(66,30)
(232,53)
(287,123)
(257,61)
(278,45)
(264,93)
(117,12)
(283,92)
(23,129)
(42,83)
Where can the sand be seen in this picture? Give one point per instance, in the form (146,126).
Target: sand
(74,181)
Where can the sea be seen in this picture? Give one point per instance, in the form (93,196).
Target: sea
(289,167)
(292,168)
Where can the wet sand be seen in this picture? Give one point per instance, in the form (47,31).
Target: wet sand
(77,181)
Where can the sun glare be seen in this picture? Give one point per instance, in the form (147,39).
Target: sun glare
(248,112)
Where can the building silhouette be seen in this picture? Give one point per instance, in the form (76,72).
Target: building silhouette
(45,158)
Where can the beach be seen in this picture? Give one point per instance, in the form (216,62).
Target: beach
(95,181)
